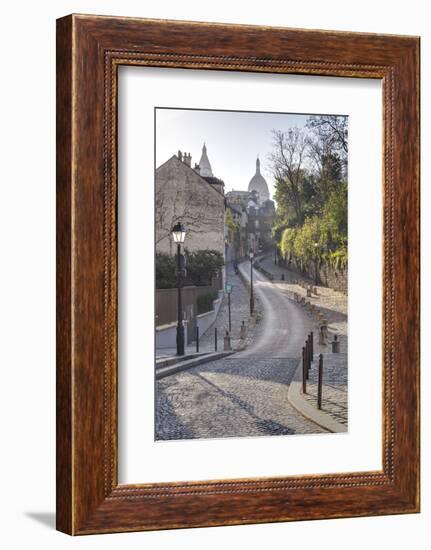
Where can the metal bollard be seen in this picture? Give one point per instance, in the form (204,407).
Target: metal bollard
(322,341)
(243,333)
(325,328)
(312,345)
(215,339)
(227,342)
(335,345)
(319,382)
(304,374)
(197,339)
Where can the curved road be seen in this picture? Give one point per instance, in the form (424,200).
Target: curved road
(245,394)
(285,324)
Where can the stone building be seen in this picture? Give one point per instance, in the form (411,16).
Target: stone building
(192,196)
(260,211)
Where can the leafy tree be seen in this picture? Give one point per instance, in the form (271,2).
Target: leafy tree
(233,233)
(203,265)
(309,167)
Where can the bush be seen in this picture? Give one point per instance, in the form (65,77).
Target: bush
(205,302)
(165,271)
(201,267)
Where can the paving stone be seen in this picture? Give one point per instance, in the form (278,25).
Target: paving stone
(235,397)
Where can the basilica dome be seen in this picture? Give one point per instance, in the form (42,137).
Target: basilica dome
(258,184)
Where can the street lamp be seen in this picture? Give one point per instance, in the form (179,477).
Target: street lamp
(316,275)
(179,235)
(251,256)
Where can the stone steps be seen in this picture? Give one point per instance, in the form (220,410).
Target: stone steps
(162,372)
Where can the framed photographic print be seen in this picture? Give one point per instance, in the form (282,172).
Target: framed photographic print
(237,274)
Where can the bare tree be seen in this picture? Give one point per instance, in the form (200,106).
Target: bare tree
(287,165)
(332,130)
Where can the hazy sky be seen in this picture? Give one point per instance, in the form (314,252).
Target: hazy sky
(233,140)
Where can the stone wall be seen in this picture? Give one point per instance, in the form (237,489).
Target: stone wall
(166,305)
(328,276)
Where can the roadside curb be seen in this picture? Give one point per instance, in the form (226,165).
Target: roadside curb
(173,360)
(189,363)
(317,416)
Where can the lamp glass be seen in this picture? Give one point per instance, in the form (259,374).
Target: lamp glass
(178,233)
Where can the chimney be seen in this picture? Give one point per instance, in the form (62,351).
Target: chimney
(187,159)
(197,168)
(180,155)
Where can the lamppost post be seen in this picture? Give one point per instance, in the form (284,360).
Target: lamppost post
(179,234)
(316,274)
(251,255)
(228,290)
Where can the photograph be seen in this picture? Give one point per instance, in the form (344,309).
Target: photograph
(251,273)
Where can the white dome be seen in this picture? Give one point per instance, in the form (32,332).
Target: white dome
(258,184)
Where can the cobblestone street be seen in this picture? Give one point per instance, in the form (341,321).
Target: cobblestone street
(233,397)
(245,394)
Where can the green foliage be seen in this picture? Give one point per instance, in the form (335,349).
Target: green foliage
(311,193)
(230,222)
(165,271)
(205,302)
(338,259)
(320,238)
(287,243)
(201,266)
(233,231)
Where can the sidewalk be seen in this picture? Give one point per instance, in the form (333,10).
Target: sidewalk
(240,311)
(331,303)
(333,415)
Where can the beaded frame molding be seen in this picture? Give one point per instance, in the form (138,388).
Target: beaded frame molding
(89,51)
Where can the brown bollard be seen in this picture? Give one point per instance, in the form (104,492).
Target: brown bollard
(312,345)
(227,342)
(304,374)
(335,345)
(320,382)
(215,339)
(197,339)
